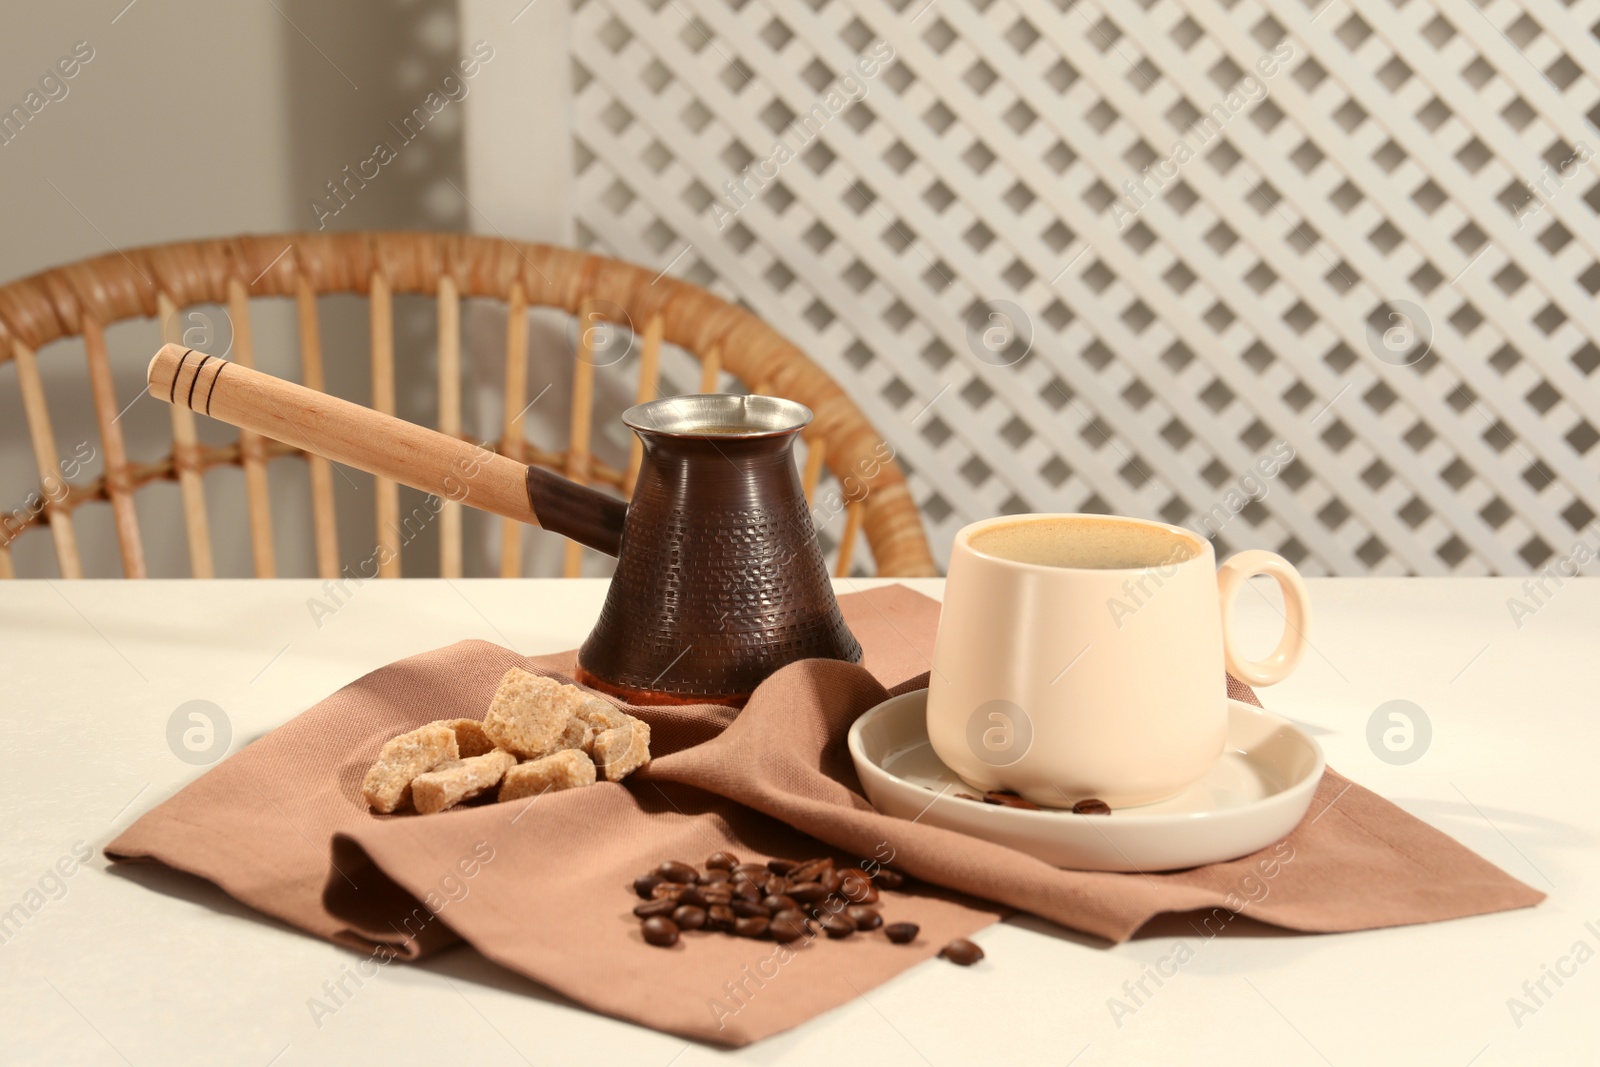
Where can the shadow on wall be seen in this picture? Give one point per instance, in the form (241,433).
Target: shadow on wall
(367,152)
(383,115)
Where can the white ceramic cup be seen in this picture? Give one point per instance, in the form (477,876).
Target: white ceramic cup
(1062,683)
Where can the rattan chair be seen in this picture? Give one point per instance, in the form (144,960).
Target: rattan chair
(82,299)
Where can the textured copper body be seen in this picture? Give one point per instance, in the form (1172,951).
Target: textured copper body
(719,579)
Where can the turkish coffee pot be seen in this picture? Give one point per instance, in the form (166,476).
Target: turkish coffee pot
(719,580)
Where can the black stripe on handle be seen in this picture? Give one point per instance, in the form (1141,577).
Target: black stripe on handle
(195,381)
(172,396)
(222,365)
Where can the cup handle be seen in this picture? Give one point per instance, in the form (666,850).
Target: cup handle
(1240,568)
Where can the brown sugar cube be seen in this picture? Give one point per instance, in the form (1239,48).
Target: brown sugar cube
(592,717)
(621,751)
(567,769)
(602,714)
(530,713)
(450,783)
(579,734)
(387,785)
(470,737)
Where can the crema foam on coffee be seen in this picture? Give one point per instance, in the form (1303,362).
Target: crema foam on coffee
(1090,544)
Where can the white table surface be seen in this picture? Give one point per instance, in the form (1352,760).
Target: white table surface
(149,967)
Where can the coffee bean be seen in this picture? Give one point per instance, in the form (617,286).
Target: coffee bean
(748,890)
(888,879)
(644,884)
(753,926)
(864,917)
(808,892)
(781,866)
(694,896)
(721,917)
(1009,800)
(714,877)
(676,871)
(651,908)
(747,909)
(830,880)
(1091,806)
(788,925)
(667,891)
(689,918)
(962,951)
(811,870)
(901,933)
(776,902)
(716,894)
(660,931)
(857,890)
(836,925)
(755,871)
(722,861)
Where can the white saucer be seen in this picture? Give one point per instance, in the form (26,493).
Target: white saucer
(1257,792)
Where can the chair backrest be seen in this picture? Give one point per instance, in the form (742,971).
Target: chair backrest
(82,299)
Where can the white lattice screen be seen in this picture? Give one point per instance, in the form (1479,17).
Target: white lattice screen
(1381,255)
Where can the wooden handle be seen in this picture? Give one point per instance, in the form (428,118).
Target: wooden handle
(341,431)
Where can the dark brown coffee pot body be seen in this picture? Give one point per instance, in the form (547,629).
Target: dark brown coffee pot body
(719,579)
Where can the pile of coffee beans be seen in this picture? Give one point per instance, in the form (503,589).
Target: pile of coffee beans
(781,900)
